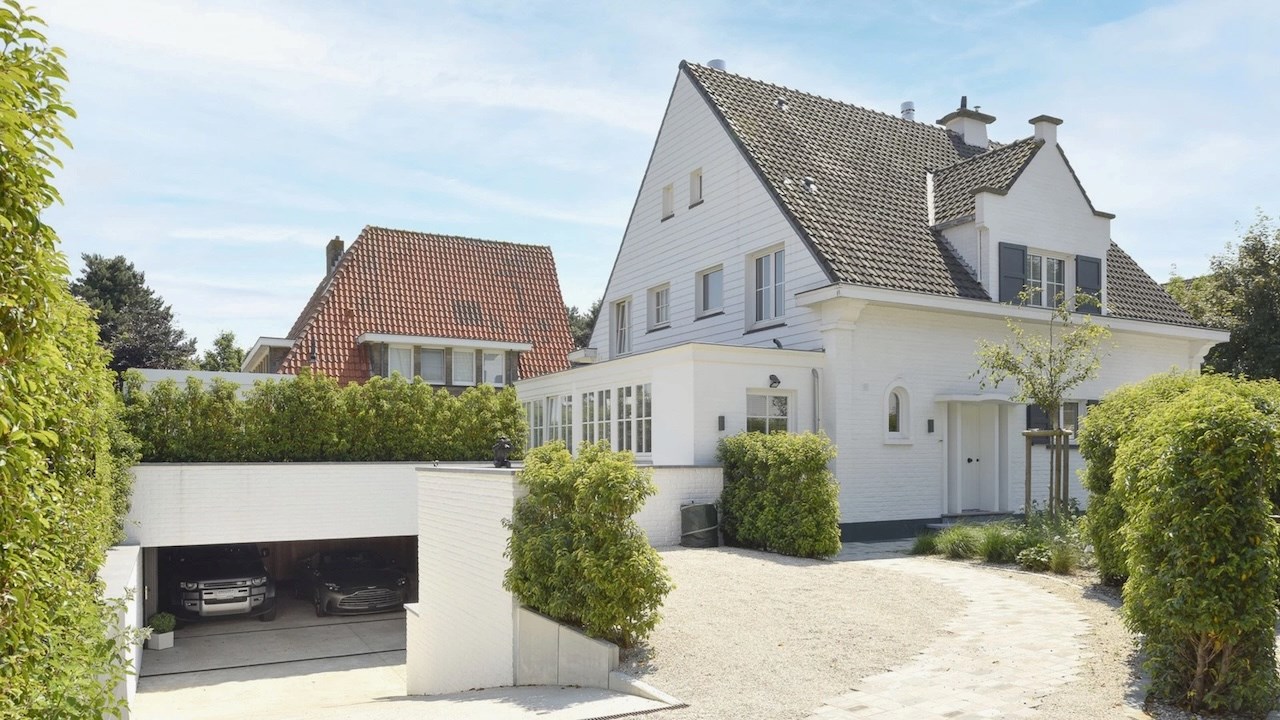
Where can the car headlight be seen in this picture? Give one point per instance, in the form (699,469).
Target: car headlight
(188,585)
(402,582)
(259,581)
(331,586)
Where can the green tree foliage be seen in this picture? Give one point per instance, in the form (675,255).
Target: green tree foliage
(581,324)
(779,494)
(225,356)
(1241,294)
(1101,431)
(576,553)
(311,418)
(1202,546)
(134,324)
(61,489)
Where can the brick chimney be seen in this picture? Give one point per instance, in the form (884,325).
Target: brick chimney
(332,252)
(970,125)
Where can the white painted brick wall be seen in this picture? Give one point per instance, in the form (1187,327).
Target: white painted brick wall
(206,503)
(464,635)
(677,486)
(121,575)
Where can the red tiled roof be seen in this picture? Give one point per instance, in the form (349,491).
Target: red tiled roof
(409,283)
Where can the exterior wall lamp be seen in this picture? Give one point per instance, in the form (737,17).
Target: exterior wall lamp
(774,381)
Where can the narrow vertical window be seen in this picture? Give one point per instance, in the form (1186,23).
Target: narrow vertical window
(659,307)
(400,360)
(622,327)
(895,412)
(695,187)
(626,419)
(668,201)
(493,366)
(644,418)
(770,297)
(464,367)
(1055,281)
(1035,279)
(710,291)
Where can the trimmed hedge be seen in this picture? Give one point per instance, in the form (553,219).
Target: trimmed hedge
(1201,545)
(779,494)
(576,553)
(309,417)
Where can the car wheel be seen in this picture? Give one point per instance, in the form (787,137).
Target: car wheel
(268,616)
(320,606)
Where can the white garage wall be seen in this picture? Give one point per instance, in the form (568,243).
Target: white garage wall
(121,573)
(208,503)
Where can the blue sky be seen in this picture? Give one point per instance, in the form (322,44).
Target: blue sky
(220,145)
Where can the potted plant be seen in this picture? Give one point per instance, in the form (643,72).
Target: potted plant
(161,624)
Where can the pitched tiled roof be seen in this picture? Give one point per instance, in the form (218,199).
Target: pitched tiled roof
(409,283)
(1131,293)
(866,218)
(954,186)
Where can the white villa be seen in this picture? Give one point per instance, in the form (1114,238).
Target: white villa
(797,262)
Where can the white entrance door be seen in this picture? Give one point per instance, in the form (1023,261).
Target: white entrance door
(980,466)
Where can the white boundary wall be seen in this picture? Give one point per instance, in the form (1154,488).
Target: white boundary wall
(677,486)
(121,573)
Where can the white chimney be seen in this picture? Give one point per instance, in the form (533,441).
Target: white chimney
(716,64)
(908,110)
(970,125)
(1046,128)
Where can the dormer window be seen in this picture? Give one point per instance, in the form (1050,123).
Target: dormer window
(1046,279)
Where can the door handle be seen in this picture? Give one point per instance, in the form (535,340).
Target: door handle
(970,460)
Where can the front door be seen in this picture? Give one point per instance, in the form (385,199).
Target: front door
(977,474)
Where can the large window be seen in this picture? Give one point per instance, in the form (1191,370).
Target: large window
(560,419)
(400,360)
(710,291)
(464,367)
(596,415)
(769,299)
(660,307)
(1046,279)
(626,416)
(644,418)
(494,368)
(621,327)
(431,365)
(768,412)
(533,415)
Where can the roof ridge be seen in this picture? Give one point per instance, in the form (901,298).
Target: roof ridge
(988,154)
(899,118)
(466,238)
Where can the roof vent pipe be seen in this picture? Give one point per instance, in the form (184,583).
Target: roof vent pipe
(908,110)
(716,64)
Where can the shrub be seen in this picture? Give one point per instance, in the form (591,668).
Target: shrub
(1036,558)
(162,622)
(1101,432)
(926,543)
(960,541)
(576,553)
(1201,546)
(779,494)
(1000,542)
(1064,558)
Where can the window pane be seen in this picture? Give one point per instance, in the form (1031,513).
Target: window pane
(779,299)
(400,360)
(464,367)
(778,406)
(432,362)
(493,368)
(755,424)
(756,405)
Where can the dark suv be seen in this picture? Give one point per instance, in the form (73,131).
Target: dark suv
(210,581)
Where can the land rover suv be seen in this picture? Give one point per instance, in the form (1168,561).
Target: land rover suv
(209,581)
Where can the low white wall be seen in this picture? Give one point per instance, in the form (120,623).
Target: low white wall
(677,486)
(461,633)
(208,503)
(152,377)
(550,653)
(121,574)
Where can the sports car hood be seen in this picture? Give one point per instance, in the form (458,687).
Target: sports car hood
(362,577)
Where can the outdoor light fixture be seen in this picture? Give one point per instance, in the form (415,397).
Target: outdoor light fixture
(502,451)
(774,381)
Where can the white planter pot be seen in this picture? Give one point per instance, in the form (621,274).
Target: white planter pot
(160,641)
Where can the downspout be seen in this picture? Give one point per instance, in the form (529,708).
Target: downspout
(817,398)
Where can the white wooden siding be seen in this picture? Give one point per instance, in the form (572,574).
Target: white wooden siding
(736,219)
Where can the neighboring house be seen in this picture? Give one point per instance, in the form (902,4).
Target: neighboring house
(794,262)
(454,311)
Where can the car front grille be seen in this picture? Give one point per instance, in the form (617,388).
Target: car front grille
(370,598)
(221,584)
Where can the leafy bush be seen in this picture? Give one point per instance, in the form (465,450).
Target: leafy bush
(63,485)
(926,543)
(309,417)
(960,541)
(1064,558)
(576,553)
(1101,432)
(779,494)
(1201,546)
(1036,558)
(162,622)
(1000,542)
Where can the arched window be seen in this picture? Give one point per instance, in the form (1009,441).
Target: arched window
(895,412)
(897,415)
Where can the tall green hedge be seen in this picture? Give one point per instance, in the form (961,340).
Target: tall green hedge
(310,417)
(1202,547)
(779,494)
(63,483)
(576,553)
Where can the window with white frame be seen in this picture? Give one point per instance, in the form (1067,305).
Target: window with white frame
(533,415)
(897,415)
(560,419)
(431,365)
(622,327)
(644,418)
(464,367)
(400,360)
(769,274)
(710,291)
(1046,279)
(768,412)
(660,307)
(626,418)
(596,416)
(695,187)
(668,201)
(494,367)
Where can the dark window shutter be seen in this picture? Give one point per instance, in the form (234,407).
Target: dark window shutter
(1037,419)
(1089,280)
(1013,271)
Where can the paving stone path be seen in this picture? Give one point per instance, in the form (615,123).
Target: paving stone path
(1011,646)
